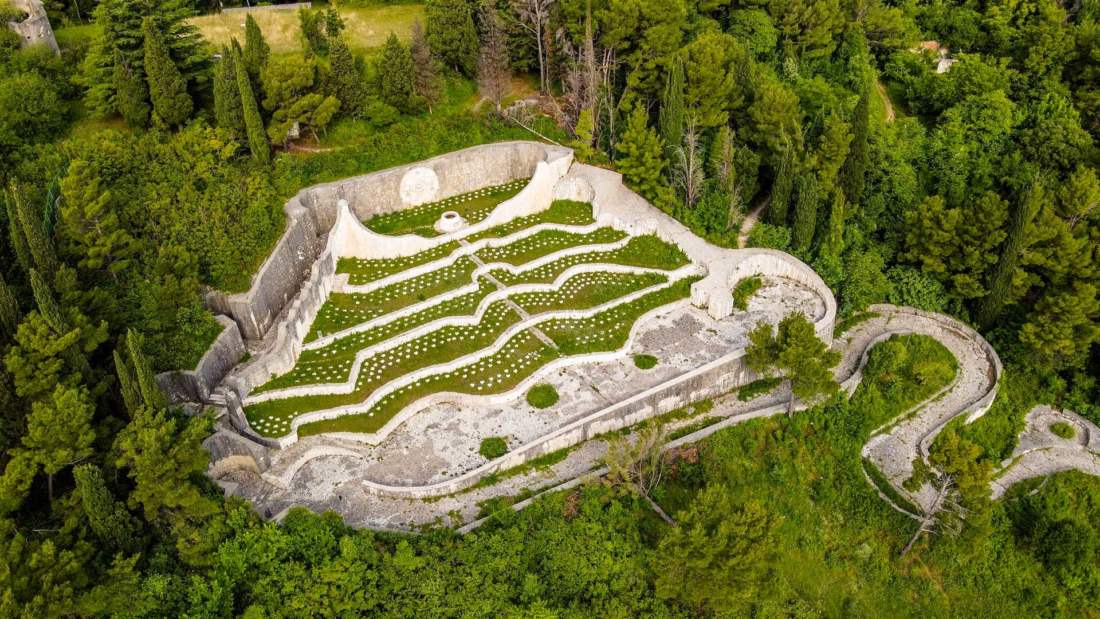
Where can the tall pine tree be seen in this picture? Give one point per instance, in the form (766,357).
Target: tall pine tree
(347,79)
(106,516)
(452,35)
(395,74)
(59,431)
(119,23)
(642,161)
(172,105)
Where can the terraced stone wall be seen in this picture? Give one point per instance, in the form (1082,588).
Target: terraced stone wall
(312,212)
(196,385)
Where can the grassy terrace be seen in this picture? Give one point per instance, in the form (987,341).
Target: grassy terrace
(641,251)
(445,344)
(364,271)
(473,207)
(517,360)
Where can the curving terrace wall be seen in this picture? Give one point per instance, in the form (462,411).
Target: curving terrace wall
(312,213)
(196,385)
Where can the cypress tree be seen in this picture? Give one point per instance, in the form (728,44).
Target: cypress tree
(781,190)
(120,25)
(131,97)
(254,125)
(347,81)
(395,74)
(671,119)
(40,249)
(127,385)
(1000,278)
(10,316)
(805,212)
(228,112)
(256,49)
(167,87)
(145,380)
(854,171)
(107,517)
(15,233)
(46,303)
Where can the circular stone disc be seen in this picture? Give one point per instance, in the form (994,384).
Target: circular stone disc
(419,185)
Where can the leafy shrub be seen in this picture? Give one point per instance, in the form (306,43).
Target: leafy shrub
(493,447)
(916,289)
(645,362)
(542,396)
(744,290)
(1063,430)
(769,236)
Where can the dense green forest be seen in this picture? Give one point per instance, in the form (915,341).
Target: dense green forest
(141,167)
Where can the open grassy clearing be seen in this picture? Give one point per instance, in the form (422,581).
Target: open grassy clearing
(365,270)
(366,27)
(473,207)
(440,346)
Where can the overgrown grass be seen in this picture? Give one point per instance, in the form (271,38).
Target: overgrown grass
(493,447)
(645,362)
(366,27)
(1062,429)
(757,388)
(744,290)
(846,324)
(542,396)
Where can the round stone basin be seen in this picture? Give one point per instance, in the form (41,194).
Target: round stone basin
(450,221)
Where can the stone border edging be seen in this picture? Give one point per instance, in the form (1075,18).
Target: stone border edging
(198,384)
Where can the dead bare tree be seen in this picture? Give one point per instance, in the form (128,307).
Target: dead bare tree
(688,172)
(639,464)
(534,15)
(945,516)
(494,73)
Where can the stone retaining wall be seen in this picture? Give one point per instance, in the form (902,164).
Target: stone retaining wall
(312,213)
(196,385)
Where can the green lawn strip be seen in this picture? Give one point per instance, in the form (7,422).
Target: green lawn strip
(346,309)
(439,346)
(647,252)
(444,344)
(846,324)
(586,290)
(545,243)
(473,207)
(609,329)
(563,212)
(365,270)
(495,373)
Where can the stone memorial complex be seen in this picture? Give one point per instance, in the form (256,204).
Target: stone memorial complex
(404,316)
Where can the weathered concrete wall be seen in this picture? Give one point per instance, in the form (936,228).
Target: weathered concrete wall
(312,212)
(350,238)
(35,29)
(196,385)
